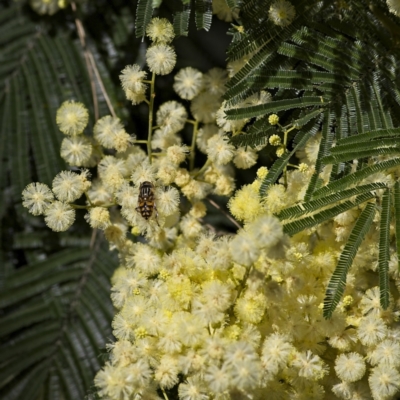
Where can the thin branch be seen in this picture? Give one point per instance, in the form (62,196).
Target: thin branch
(213,203)
(91,68)
(151,107)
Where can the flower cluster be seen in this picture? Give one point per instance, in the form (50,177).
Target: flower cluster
(240,315)
(203,314)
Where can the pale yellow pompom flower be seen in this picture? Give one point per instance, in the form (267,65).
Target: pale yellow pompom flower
(245,159)
(273,119)
(219,150)
(371,330)
(384,382)
(215,80)
(132,77)
(37,197)
(282,13)
(160,30)
(281,150)
(224,185)
(76,150)
(394,7)
(204,107)
(387,352)
(277,350)
(115,233)
(350,367)
(182,177)
(59,216)
(110,133)
(177,154)
(191,227)
(166,373)
(205,133)
(262,172)
(69,186)
(266,231)
(112,172)
(166,171)
(43,7)
(161,59)
(171,117)
(251,307)
(310,366)
(222,10)
(163,139)
(246,204)
(195,190)
(193,389)
(274,140)
(198,210)
(122,141)
(98,217)
(244,249)
(167,200)
(275,198)
(72,118)
(303,167)
(188,83)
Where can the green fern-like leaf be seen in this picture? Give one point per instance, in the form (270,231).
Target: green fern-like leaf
(367,136)
(312,206)
(203,10)
(291,228)
(384,247)
(181,22)
(273,107)
(144,12)
(53,311)
(337,282)
(354,178)
(324,147)
(397,218)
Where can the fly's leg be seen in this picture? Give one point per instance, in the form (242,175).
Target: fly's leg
(156,211)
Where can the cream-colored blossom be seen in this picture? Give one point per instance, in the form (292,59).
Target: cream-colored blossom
(98,217)
(282,13)
(246,204)
(371,330)
(245,158)
(110,133)
(72,118)
(177,154)
(76,150)
(350,367)
(204,133)
(219,150)
(59,216)
(204,107)
(215,80)
(394,7)
(384,382)
(160,30)
(188,83)
(43,7)
(171,117)
(193,389)
(131,78)
(161,59)
(37,197)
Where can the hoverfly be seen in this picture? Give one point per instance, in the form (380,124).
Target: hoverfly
(146,201)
